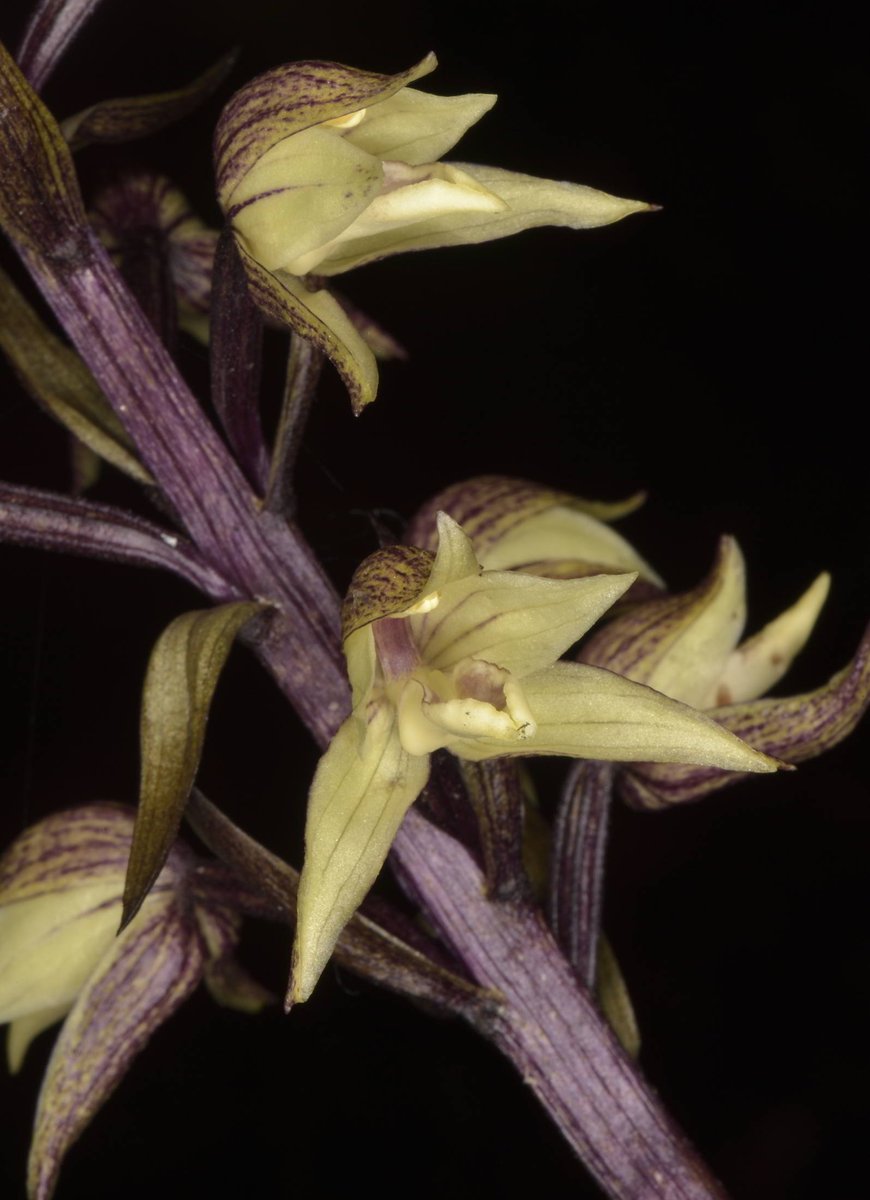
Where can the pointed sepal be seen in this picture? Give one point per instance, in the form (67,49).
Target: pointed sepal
(149,970)
(362,789)
(793,728)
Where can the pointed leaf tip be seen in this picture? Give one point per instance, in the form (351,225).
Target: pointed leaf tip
(182,675)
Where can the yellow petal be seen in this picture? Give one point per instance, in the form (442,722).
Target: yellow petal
(679,645)
(300,195)
(529,203)
(761,661)
(454,559)
(518,622)
(50,944)
(358,799)
(410,196)
(416,127)
(289,99)
(566,533)
(586,712)
(319,318)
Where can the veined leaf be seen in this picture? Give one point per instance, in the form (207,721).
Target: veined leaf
(59,382)
(182,675)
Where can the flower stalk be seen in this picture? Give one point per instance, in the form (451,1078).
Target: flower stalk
(546,1022)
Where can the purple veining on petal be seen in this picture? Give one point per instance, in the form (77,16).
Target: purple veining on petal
(76,847)
(791,728)
(145,976)
(286,100)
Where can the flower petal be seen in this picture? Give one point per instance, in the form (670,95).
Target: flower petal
(517,525)
(519,622)
(67,850)
(416,127)
(529,202)
(290,99)
(300,195)
(454,558)
(761,661)
(319,318)
(147,972)
(679,645)
(794,729)
(49,944)
(586,712)
(358,798)
(489,507)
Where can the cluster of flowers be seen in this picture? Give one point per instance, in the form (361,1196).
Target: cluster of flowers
(454,640)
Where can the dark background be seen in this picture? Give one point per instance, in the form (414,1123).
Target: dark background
(708,354)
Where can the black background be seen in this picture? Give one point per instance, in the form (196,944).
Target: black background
(709,354)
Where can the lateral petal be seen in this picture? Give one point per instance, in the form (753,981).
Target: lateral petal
(761,661)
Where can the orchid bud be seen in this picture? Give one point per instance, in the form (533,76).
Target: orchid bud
(164,250)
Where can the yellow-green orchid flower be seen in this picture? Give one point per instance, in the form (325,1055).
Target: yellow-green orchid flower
(688,646)
(322,168)
(443,654)
(61,956)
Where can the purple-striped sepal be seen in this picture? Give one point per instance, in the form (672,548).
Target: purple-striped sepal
(61,884)
(518,525)
(689,646)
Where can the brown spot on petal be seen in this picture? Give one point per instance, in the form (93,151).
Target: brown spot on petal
(723,696)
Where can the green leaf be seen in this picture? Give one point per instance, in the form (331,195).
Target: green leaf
(182,675)
(59,382)
(40,203)
(129,117)
(614,999)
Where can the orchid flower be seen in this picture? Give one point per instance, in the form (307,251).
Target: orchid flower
(443,654)
(689,647)
(322,168)
(61,885)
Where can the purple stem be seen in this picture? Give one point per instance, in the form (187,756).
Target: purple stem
(550,1029)
(577,869)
